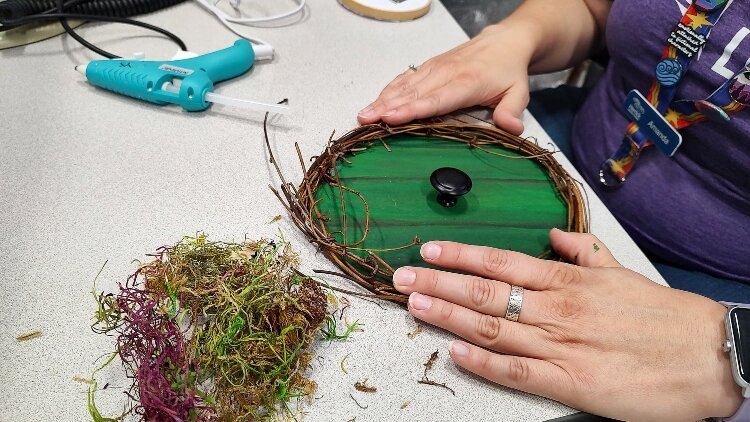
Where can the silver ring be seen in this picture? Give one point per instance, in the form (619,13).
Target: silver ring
(514,303)
(414,68)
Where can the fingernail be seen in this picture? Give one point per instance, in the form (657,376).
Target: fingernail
(431,250)
(367,111)
(420,302)
(458,349)
(389,113)
(404,276)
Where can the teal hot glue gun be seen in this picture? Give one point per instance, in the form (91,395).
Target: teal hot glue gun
(188,82)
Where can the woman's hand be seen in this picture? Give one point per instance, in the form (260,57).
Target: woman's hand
(592,334)
(490,70)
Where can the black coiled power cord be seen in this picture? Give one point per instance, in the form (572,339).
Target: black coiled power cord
(14,13)
(17,9)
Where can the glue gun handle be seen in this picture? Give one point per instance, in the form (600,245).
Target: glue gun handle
(223,64)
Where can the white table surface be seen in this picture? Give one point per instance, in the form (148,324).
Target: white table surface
(88,176)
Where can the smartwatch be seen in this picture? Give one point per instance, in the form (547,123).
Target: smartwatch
(738,346)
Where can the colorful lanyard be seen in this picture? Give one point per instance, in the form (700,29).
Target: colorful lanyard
(654,119)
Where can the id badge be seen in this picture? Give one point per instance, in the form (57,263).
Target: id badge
(652,124)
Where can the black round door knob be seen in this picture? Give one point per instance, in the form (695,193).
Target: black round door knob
(450,183)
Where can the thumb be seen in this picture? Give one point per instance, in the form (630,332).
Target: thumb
(507,115)
(582,249)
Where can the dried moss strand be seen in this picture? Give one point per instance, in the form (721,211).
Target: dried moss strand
(215,330)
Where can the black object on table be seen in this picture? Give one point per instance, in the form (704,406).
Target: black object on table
(582,417)
(451,183)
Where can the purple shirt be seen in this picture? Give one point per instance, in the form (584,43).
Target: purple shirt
(692,210)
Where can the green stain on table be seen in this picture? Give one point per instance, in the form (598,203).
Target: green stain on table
(513,203)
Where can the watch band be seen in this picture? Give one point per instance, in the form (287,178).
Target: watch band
(743,413)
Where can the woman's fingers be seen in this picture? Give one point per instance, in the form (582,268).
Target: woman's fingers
(507,114)
(408,82)
(440,101)
(531,375)
(479,294)
(511,267)
(496,333)
(507,121)
(582,249)
(408,87)
(421,94)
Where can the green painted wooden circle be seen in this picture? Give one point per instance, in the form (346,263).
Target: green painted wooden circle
(513,203)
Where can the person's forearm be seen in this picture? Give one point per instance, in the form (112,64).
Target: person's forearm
(556,33)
